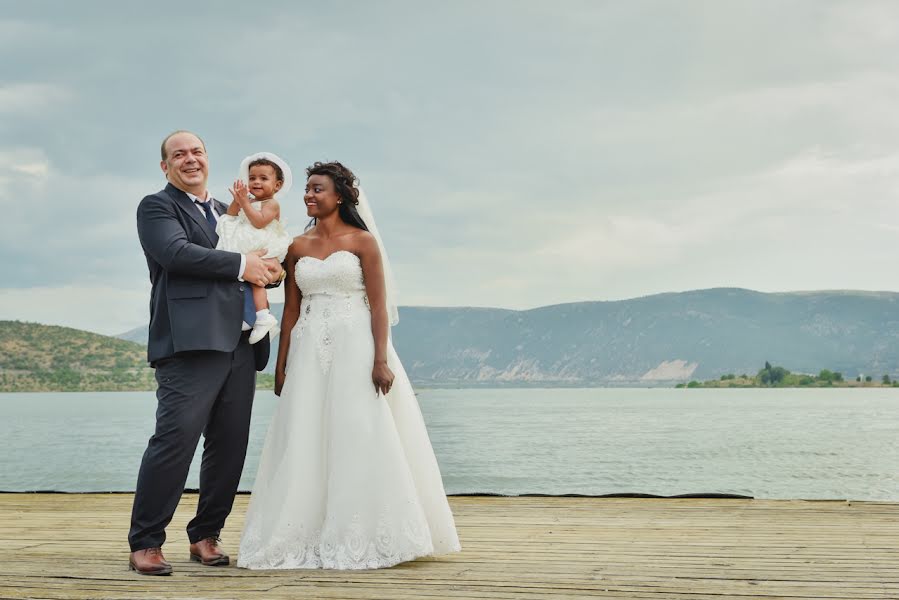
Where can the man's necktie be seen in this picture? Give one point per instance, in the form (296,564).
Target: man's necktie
(249,308)
(207,208)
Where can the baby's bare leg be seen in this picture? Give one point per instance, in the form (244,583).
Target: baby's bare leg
(260,298)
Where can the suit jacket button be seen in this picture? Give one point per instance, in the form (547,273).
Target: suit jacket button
(241,288)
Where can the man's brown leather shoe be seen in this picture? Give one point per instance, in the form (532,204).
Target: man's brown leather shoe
(208,552)
(149,561)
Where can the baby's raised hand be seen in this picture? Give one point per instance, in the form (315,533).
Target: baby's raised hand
(239,192)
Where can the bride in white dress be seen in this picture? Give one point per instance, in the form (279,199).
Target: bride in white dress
(347,477)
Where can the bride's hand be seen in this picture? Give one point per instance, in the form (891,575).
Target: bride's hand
(382,377)
(279,381)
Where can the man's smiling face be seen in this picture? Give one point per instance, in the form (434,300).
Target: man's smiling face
(186,165)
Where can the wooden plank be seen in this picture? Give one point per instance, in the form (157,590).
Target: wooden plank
(73,546)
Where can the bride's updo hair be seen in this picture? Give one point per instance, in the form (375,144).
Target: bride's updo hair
(345,187)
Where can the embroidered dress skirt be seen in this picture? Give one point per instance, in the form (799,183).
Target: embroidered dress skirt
(347,478)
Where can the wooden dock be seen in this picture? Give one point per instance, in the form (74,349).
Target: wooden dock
(74,546)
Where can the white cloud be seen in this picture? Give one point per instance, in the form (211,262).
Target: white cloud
(593,151)
(35,169)
(31,162)
(32,98)
(98,308)
(14,33)
(814,221)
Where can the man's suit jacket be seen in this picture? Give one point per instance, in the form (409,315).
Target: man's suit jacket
(196,301)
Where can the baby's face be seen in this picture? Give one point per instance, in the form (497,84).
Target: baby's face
(262,182)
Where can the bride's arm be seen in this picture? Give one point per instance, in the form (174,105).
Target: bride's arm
(292,299)
(375,289)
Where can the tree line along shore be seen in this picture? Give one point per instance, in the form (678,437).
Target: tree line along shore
(776,376)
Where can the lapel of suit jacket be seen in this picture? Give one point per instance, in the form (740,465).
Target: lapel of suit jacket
(221,206)
(193,211)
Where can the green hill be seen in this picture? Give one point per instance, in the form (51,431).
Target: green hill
(41,358)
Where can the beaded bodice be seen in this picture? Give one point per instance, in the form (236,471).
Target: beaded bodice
(339,273)
(334,301)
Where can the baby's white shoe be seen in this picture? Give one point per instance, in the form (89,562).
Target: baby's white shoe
(265,322)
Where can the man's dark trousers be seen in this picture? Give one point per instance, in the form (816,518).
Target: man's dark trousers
(204,392)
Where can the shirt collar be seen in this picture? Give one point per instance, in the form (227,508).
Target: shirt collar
(198,199)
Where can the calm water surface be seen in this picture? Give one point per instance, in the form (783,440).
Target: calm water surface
(802,443)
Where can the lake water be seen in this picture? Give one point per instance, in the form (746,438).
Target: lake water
(766,443)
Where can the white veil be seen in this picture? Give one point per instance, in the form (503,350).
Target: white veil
(364,210)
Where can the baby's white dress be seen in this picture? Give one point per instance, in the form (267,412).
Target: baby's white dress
(237,234)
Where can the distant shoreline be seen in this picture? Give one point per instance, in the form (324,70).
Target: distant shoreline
(712,385)
(269,386)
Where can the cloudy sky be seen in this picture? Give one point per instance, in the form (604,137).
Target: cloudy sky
(516,154)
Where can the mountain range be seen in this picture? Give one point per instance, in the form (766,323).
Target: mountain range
(653,340)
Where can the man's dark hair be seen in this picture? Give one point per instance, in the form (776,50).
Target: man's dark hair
(176,132)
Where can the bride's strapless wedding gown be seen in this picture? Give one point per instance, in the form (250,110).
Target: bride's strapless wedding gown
(347,478)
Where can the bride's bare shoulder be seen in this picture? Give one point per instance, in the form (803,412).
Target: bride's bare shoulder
(300,244)
(364,242)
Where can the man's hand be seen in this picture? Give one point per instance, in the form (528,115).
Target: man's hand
(258,269)
(275,269)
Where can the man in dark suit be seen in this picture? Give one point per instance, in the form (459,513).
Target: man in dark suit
(205,366)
